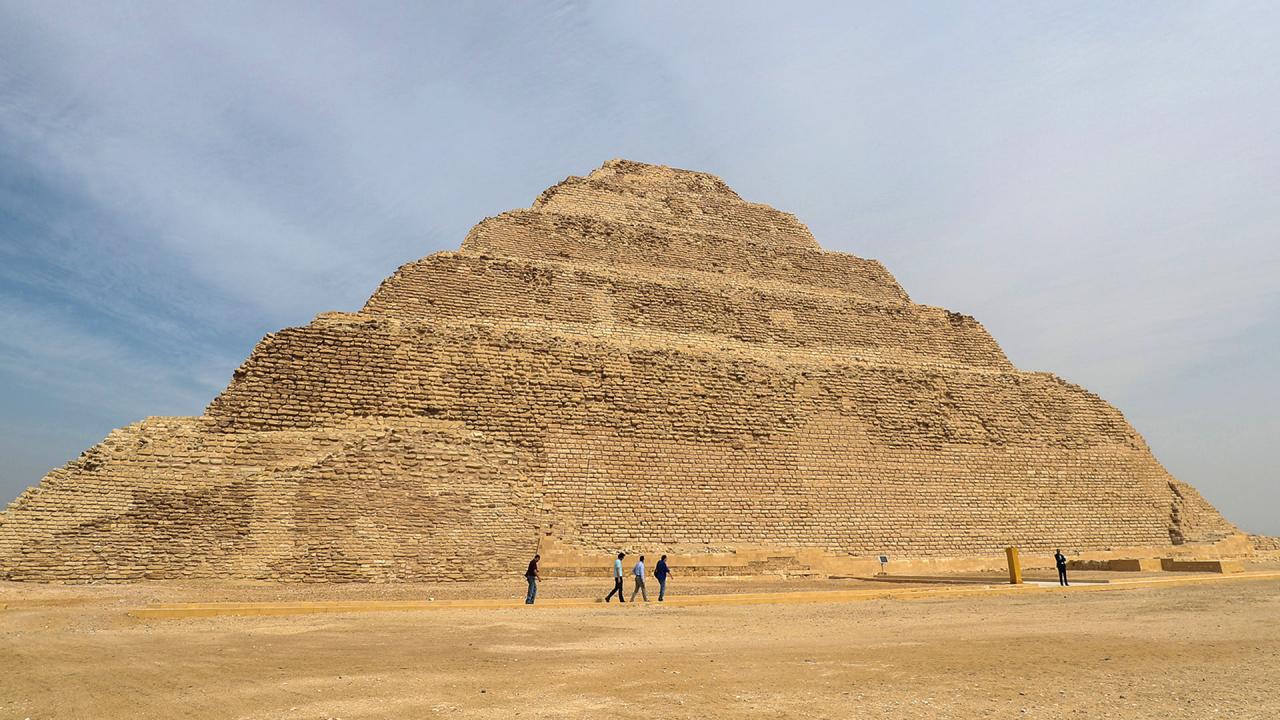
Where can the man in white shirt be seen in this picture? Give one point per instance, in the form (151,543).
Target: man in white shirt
(638,572)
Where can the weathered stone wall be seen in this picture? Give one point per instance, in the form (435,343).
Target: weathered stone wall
(670,252)
(640,360)
(822,488)
(172,498)
(519,378)
(713,447)
(449,285)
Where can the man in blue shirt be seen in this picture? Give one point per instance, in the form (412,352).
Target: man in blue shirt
(638,571)
(661,572)
(617,579)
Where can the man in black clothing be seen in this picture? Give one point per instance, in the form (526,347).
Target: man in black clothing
(661,572)
(532,576)
(1061,559)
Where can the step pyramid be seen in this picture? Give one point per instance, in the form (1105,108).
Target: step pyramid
(641,359)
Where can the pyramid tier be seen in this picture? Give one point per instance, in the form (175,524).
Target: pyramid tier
(822,486)
(414,499)
(533,235)
(454,285)
(523,378)
(630,192)
(730,447)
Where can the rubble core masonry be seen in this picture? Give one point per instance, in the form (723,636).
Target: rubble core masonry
(640,360)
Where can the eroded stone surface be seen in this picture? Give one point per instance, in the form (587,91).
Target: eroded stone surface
(642,359)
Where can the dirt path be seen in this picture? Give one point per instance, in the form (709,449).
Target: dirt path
(1192,651)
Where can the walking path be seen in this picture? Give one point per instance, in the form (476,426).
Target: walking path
(197,610)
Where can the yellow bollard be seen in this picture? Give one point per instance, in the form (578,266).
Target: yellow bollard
(1015,567)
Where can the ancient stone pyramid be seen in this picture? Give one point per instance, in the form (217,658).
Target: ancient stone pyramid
(642,360)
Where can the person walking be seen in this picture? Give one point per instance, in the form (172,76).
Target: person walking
(662,572)
(531,574)
(638,572)
(1061,560)
(617,580)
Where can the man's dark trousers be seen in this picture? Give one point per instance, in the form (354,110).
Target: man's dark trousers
(533,590)
(617,588)
(1062,575)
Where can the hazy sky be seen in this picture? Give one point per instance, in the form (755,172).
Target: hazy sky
(1099,184)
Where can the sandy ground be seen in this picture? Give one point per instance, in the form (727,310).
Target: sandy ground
(1179,651)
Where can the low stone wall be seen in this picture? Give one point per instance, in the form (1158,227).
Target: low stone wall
(1205,566)
(1118,565)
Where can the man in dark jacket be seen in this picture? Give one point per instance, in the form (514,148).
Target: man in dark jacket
(1061,560)
(531,575)
(661,572)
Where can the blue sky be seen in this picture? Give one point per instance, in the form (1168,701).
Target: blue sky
(1095,182)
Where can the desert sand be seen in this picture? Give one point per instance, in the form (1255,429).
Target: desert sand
(1169,651)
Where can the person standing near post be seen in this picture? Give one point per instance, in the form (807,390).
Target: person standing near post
(531,574)
(617,579)
(1061,559)
(661,571)
(638,572)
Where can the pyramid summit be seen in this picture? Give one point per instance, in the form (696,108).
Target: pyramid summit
(640,360)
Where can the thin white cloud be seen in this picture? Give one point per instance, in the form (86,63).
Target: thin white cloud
(81,367)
